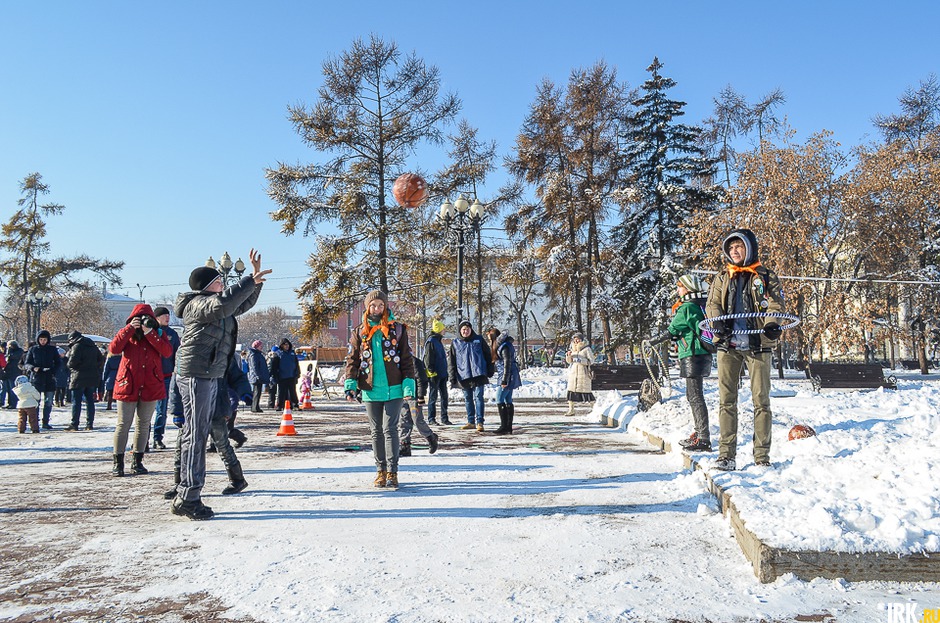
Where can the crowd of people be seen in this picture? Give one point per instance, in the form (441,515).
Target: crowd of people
(151,371)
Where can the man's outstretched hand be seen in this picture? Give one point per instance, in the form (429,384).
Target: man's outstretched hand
(256,273)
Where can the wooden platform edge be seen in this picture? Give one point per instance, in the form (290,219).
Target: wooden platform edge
(769,563)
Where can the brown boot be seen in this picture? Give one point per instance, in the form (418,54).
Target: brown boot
(391,481)
(381,477)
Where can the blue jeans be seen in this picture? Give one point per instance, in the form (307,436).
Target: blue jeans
(159,418)
(88,393)
(12,400)
(47,399)
(473,401)
(504,396)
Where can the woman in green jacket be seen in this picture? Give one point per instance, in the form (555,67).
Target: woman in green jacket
(380,365)
(695,360)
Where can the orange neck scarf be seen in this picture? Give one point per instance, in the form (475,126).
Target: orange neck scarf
(734,270)
(383,325)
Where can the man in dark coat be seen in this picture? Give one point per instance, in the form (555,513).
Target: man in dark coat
(169,363)
(209,338)
(288,371)
(258,374)
(42,360)
(11,371)
(85,361)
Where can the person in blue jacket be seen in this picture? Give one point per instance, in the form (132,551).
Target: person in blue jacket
(508,378)
(43,361)
(169,364)
(288,372)
(109,374)
(470,368)
(258,374)
(435,362)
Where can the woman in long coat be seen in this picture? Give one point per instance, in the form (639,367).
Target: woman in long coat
(139,383)
(579,357)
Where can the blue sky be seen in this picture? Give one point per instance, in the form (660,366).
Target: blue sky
(153,122)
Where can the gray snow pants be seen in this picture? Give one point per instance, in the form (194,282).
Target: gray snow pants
(199,406)
(408,422)
(383,423)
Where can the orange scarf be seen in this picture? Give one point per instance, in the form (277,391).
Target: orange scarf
(370,331)
(734,270)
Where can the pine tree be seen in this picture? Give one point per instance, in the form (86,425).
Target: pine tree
(27,268)
(672,179)
(375,108)
(569,151)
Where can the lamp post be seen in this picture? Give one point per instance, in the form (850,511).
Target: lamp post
(36,301)
(459,218)
(226,267)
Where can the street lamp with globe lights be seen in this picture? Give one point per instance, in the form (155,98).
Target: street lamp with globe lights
(37,301)
(459,218)
(226,267)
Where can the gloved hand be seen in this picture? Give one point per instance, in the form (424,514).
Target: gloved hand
(178,421)
(408,388)
(772,330)
(420,401)
(350,395)
(720,329)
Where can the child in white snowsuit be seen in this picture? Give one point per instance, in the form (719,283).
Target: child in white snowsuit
(28,404)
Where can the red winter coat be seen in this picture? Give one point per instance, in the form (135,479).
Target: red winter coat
(140,375)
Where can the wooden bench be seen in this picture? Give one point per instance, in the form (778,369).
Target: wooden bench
(623,377)
(850,376)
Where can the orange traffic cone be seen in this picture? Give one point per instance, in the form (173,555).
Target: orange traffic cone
(307,405)
(287,422)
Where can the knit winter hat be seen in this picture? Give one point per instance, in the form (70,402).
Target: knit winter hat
(202,276)
(375,294)
(693,283)
(257,344)
(160,311)
(465,323)
(438,327)
(21,379)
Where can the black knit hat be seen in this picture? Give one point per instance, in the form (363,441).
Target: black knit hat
(201,277)
(160,311)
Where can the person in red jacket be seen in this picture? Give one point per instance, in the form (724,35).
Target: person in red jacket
(139,384)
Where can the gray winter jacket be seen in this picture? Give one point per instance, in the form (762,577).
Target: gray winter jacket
(209,328)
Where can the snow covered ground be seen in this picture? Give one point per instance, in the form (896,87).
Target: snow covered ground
(565,521)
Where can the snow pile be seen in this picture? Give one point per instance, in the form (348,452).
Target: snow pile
(865,483)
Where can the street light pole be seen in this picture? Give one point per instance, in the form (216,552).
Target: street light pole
(36,301)
(459,218)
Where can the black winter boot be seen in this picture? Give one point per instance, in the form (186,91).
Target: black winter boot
(502,430)
(137,466)
(171,493)
(510,413)
(405,449)
(194,509)
(238,437)
(118,469)
(238,480)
